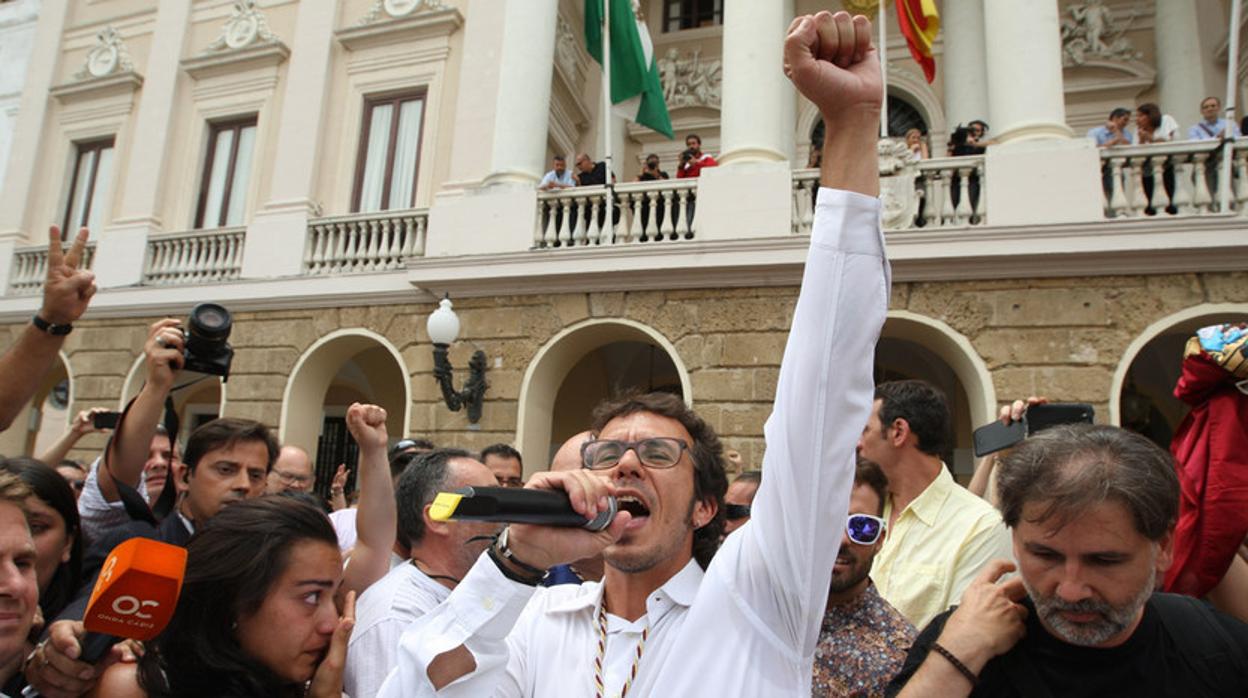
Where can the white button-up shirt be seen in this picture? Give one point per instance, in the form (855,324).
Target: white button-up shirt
(752,625)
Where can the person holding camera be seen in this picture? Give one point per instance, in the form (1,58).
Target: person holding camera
(651,172)
(693,160)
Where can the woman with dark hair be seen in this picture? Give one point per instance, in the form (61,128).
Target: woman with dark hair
(53,518)
(256,616)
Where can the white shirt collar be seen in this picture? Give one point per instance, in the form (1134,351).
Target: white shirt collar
(679,590)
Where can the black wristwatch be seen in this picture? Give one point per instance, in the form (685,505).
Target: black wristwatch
(54,330)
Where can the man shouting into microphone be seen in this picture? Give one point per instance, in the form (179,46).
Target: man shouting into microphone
(650,627)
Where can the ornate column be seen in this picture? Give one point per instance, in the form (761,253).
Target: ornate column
(278,232)
(1024,66)
(757,112)
(526,54)
(964,63)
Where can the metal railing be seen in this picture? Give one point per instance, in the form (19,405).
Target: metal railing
(30,268)
(654,211)
(365,243)
(928,194)
(196,257)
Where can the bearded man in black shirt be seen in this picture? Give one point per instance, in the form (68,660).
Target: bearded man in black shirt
(1092,510)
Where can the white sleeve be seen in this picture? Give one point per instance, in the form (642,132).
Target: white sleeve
(784,555)
(479,614)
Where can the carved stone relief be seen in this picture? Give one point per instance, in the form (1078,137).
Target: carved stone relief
(689,81)
(109,56)
(567,51)
(898,173)
(1090,31)
(246,26)
(383,10)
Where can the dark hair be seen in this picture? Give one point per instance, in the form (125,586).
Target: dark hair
(1119,112)
(404,444)
(400,462)
(417,486)
(52,489)
(225,433)
(233,560)
(751,476)
(868,473)
(652,155)
(502,451)
(923,407)
(1074,467)
(710,481)
(71,463)
(560,158)
(1153,112)
(981,122)
(695,137)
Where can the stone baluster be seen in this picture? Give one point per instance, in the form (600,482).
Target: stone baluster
(1200,191)
(1117,198)
(1184,198)
(1138,199)
(683,230)
(668,228)
(567,224)
(340,248)
(309,252)
(946,199)
(1161,200)
(931,199)
(639,205)
(963,214)
(979,207)
(417,245)
(375,228)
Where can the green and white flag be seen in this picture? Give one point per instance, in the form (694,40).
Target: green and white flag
(636,90)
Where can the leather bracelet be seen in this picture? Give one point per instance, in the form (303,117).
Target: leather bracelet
(963,669)
(51,328)
(502,545)
(510,573)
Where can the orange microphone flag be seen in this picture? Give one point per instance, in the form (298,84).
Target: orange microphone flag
(920,23)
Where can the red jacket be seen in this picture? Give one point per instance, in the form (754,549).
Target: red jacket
(693,168)
(1211,454)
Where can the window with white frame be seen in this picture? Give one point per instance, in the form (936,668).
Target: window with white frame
(227,171)
(89,186)
(385,172)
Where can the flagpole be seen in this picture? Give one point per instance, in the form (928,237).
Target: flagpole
(606,89)
(883,51)
(1232,79)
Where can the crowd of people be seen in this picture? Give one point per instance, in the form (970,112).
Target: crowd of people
(591,173)
(1153,126)
(850,563)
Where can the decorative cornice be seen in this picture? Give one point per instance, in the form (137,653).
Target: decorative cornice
(421,25)
(95,88)
(109,56)
(217,63)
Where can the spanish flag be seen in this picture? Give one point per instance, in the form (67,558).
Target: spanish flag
(920,23)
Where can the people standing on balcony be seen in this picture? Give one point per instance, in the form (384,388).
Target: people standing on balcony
(651,172)
(559,177)
(917,146)
(1114,131)
(693,160)
(1151,126)
(590,173)
(1212,125)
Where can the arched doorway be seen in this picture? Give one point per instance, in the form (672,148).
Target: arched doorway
(196,399)
(1142,392)
(346,366)
(914,346)
(581,366)
(46,417)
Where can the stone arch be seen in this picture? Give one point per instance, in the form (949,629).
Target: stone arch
(32,426)
(357,364)
(936,352)
(553,363)
(1160,346)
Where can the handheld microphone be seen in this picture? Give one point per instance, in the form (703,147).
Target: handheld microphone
(134,596)
(513,505)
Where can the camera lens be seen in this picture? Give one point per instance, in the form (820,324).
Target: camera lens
(209,321)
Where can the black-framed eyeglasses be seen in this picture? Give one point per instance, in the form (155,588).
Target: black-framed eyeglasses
(864,529)
(657,452)
(734,512)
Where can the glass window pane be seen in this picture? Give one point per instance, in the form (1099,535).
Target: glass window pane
(103,186)
(216,178)
(406,147)
(375,159)
(237,205)
(78,203)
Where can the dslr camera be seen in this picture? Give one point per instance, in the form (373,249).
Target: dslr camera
(686,155)
(207,349)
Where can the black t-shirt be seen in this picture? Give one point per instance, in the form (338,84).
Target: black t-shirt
(598,175)
(1148,664)
(647,176)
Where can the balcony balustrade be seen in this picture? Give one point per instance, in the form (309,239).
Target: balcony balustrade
(654,211)
(1178,179)
(197,257)
(30,267)
(358,243)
